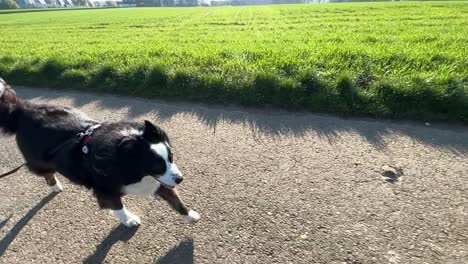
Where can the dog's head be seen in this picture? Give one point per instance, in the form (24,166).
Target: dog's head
(7,94)
(150,152)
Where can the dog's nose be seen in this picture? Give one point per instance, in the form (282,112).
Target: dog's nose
(178,179)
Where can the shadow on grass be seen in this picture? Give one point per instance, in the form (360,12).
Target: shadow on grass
(180,254)
(270,123)
(8,239)
(120,233)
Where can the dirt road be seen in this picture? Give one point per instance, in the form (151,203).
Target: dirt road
(271,187)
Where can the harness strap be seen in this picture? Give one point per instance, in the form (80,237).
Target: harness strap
(82,136)
(85,136)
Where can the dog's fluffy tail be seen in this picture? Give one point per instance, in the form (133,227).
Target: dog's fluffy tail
(8,106)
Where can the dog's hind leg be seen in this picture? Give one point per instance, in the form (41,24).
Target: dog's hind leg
(172,197)
(53,182)
(48,174)
(114,203)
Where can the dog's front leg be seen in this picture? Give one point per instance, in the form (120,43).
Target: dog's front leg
(53,182)
(172,197)
(114,203)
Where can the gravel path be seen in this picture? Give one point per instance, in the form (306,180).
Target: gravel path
(271,186)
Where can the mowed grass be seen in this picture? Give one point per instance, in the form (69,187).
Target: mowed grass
(401,59)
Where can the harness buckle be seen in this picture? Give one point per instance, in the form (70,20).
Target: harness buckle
(85,137)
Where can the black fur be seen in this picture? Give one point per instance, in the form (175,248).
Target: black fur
(114,159)
(118,153)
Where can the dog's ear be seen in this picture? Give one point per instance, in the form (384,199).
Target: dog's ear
(127,146)
(153,133)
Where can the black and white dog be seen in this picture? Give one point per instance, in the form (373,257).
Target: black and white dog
(111,158)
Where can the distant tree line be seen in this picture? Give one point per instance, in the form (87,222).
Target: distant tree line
(263,2)
(8,4)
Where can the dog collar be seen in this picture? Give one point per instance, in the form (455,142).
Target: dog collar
(86,137)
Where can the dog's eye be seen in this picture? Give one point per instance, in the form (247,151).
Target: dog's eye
(170,156)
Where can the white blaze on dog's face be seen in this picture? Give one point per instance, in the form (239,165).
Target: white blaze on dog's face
(162,167)
(172,176)
(153,166)
(148,158)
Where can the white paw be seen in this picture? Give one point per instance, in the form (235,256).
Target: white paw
(127,218)
(132,220)
(57,187)
(192,217)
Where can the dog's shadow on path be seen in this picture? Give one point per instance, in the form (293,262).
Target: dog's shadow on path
(120,233)
(180,254)
(13,233)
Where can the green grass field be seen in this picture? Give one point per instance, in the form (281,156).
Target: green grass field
(400,59)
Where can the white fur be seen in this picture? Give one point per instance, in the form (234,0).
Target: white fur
(161,149)
(2,87)
(192,217)
(130,132)
(57,187)
(126,217)
(146,187)
(168,178)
